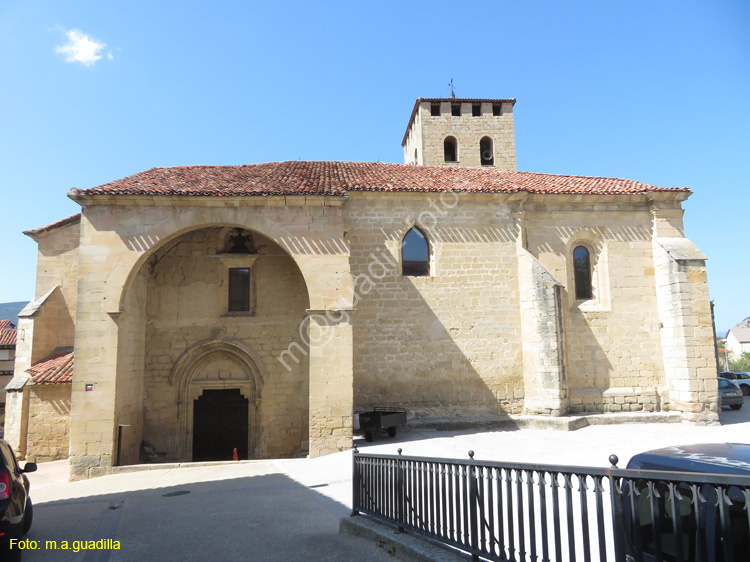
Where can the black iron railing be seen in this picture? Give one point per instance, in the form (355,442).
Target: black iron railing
(525,512)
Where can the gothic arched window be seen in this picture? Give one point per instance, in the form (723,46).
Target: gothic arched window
(415,254)
(450,149)
(582,273)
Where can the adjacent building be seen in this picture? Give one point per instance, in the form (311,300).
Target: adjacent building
(738,339)
(8,337)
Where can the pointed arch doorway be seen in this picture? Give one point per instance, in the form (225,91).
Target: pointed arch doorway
(220,425)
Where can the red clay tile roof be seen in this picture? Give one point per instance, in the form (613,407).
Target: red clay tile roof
(511,101)
(7,335)
(58,369)
(339,178)
(72,219)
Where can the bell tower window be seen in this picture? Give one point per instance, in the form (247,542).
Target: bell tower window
(450,149)
(486,152)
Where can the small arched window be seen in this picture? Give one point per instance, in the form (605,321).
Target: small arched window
(582,273)
(450,149)
(415,254)
(486,152)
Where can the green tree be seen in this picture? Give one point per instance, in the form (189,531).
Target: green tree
(742,364)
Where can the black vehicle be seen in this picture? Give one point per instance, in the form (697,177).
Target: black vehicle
(740,379)
(691,521)
(16,510)
(387,419)
(730,394)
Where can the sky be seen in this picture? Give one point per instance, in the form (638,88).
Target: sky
(654,91)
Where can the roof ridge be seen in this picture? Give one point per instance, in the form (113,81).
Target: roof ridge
(339,177)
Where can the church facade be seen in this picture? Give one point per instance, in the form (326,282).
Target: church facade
(189,312)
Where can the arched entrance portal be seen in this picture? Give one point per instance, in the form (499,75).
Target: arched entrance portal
(220,425)
(221,304)
(164,285)
(218,387)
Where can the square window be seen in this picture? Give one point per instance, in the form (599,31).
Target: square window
(456,110)
(497,109)
(435,110)
(239,289)
(476,110)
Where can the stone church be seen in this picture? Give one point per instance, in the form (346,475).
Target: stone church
(187,312)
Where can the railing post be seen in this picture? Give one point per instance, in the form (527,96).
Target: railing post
(473,508)
(400,493)
(618,523)
(356,485)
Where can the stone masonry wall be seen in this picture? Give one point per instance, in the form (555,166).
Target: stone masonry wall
(15,430)
(413,143)
(49,420)
(57,265)
(687,329)
(444,345)
(120,236)
(130,365)
(545,384)
(46,329)
(613,340)
(187,304)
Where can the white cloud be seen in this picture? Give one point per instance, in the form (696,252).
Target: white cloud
(81,48)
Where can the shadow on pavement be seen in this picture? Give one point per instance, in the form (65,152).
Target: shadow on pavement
(390,445)
(260,518)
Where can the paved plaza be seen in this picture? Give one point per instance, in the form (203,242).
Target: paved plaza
(290,509)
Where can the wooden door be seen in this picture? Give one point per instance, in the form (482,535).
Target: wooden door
(220,424)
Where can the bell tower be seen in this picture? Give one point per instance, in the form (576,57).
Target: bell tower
(475,133)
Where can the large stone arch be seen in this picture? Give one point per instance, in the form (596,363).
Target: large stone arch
(142,246)
(118,238)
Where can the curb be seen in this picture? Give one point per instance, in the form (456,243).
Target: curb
(527,421)
(402,546)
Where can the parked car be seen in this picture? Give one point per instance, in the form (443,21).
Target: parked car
(730,394)
(692,523)
(712,458)
(741,379)
(16,510)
